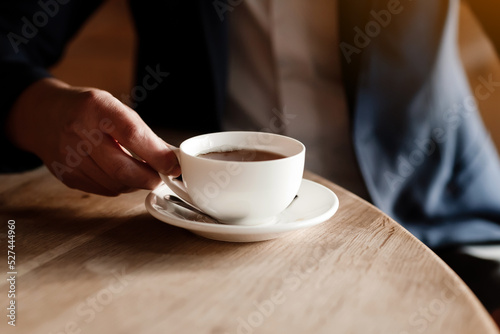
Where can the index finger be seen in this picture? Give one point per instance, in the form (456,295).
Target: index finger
(131,132)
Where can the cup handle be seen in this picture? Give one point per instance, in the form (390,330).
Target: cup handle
(176,185)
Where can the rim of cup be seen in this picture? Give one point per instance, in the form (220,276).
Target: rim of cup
(297,149)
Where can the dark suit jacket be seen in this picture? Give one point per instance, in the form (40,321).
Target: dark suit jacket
(425,156)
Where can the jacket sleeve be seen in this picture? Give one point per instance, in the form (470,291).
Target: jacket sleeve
(33,35)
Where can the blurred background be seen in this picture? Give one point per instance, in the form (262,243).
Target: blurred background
(102,56)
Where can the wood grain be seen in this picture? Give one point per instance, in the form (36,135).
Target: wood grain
(89,264)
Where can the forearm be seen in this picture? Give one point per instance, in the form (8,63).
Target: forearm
(25,56)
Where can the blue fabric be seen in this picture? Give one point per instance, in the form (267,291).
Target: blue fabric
(425,155)
(421,146)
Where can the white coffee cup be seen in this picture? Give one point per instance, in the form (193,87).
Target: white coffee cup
(239,192)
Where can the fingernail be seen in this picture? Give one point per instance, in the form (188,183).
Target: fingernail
(173,163)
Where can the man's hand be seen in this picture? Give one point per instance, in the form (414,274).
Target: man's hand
(79,134)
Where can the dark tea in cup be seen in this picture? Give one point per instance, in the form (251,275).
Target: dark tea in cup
(242,155)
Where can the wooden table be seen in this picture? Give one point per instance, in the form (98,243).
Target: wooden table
(89,264)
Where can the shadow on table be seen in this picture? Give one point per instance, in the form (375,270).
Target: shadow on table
(59,239)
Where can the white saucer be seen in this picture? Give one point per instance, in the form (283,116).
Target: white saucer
(314,204)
